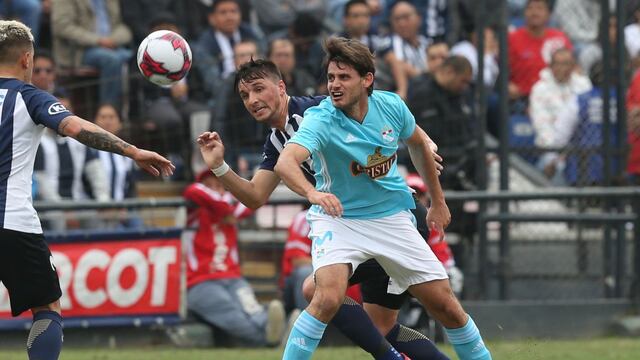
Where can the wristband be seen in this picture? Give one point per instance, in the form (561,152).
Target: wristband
(220,170)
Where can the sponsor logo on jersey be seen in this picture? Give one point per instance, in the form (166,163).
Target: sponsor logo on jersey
(378,165)
(56,108)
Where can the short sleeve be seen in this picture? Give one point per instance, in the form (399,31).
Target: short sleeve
(408,121)
(270,156)
(313,132)
(43,107)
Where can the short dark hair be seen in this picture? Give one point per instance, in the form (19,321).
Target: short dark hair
(217,3)
(351,52)
(352,3)
(44,54)
(546,2)
(458,64)
(162,18)
(273,42)
(254,70)
(15,40)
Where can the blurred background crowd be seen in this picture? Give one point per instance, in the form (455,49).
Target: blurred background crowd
(425,51)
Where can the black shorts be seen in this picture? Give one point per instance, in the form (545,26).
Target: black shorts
(27,271)
(374,280)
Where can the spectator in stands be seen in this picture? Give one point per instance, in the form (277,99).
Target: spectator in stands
(409,46)
(298,82)
(92,33)
(243,135)
(304,33)
(216,291)
(437,53)
(579,20)
(632,33)
(275,16)
(214,47)
(585,160)
(44,72)
(559,85)
(119,169)
(434,18)
(437,101)
(140,14)
(633,130)
(390,73)
(66,169)
(530,48)
(593,55)
(296,262)
(467,48)
(28,12)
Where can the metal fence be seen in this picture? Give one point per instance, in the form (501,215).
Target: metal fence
(563,244)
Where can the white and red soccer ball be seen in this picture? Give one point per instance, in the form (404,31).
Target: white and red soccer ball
(164,57)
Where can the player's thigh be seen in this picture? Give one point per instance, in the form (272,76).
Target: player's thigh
(27,271)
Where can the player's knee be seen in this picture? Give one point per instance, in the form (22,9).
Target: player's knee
(308,288)
(327,301)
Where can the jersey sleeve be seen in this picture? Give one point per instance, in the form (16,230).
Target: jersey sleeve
(313,131)
(43,107)
(270,156)
(208,199)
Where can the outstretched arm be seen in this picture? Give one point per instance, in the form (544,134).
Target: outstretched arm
(423,160)
(253,193)
(288,168)
(96,137)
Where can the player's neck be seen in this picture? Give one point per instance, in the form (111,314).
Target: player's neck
(283,114)
(11,73)
(358,110)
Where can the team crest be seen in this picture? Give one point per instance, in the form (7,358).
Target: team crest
(377,167)
(388,135)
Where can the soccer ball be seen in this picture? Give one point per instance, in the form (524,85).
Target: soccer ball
(164,57)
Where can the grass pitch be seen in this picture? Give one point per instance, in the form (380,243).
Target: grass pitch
(592,349)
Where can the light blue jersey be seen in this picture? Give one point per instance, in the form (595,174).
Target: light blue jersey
(357,162)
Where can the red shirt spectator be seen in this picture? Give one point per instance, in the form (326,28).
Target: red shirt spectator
(633,107)
(531,47)
(212,248)
(529,54)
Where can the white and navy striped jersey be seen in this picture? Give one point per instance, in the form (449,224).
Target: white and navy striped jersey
(119,171)
(277,139)
(26,110)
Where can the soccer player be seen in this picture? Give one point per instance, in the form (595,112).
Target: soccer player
(26,264)
(264,94)
(361,202)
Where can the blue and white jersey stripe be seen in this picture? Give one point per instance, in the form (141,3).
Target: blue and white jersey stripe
(277,140)
(25,111)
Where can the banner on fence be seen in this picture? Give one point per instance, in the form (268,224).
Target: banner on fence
(115,278)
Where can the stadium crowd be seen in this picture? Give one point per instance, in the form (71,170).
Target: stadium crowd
(425,52)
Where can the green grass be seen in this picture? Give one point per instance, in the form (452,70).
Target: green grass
(595,349)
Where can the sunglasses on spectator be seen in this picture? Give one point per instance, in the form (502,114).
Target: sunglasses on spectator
(39,70)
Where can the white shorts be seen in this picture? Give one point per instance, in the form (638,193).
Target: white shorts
(392,240)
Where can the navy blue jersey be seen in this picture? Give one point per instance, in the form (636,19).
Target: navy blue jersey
(25,110)
(278,139)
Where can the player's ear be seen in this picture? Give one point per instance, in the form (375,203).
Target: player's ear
(368,79)
(25,59)
(282,87)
